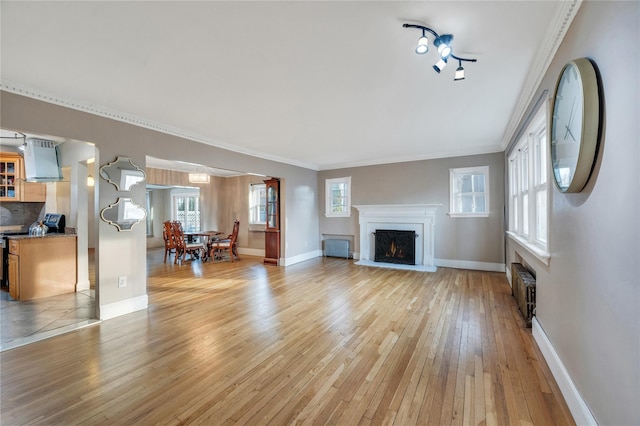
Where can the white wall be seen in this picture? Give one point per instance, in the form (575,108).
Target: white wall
(588,297)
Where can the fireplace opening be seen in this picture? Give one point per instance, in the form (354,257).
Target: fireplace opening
(395,246)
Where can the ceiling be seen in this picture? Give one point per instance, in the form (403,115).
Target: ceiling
(322,85)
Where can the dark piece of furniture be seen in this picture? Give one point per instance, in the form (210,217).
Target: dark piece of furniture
(183,247)
(217,247)
(272,231)
(169,241)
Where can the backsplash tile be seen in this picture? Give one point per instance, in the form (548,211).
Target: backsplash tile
(15,213)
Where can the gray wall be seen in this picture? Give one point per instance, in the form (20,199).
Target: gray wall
(426,182)
(588,298)
(124,253)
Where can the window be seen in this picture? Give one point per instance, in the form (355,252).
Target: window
(186,210)
(469,192)
(528,186)
(338,197)
(257,205)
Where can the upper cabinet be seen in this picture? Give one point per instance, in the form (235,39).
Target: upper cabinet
(13,186)
(10,168)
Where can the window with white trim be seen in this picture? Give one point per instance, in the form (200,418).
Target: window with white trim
(528,184)
(469,192)
(186,210)
(257,204)
(338,197)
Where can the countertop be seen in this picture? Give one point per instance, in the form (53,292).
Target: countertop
(52,235)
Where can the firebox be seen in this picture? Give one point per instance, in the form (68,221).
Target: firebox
(393,246)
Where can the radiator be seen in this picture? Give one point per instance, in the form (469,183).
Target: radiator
(523,289)
(336,248)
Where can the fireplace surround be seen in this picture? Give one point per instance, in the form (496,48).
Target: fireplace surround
(419,218)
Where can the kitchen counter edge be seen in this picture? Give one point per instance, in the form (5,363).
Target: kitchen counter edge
(26,237)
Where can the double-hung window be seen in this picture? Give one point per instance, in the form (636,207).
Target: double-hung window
(469,192)
(257,206)
(528,186)
(338,197)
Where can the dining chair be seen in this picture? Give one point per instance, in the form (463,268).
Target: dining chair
(183,247)
(169,241)
(226,244)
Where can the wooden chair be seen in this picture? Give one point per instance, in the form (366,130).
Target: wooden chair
(169,241)
(227,244)
(195,250)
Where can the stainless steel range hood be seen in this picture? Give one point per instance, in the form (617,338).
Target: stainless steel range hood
(41,161)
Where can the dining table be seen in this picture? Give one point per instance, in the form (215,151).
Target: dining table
(209,238)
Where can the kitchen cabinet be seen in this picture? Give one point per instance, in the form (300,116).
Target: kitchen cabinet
(13,186)
(10,168)
(42,266)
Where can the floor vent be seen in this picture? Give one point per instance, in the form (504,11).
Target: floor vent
(336,248)
(523,289)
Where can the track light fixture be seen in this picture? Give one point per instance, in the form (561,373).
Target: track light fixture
(443,44)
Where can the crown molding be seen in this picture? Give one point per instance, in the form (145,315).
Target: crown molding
(487,149)
(19,89)
(558,28)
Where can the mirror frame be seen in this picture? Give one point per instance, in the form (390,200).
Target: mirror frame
(108,172)
(122,225)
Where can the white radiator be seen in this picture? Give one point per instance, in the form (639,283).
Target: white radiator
(336,248)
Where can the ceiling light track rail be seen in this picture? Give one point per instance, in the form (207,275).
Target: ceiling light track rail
(445,51)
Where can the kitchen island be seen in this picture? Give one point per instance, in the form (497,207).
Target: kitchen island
(42,266)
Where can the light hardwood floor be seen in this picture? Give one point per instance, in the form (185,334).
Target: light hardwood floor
(322,342)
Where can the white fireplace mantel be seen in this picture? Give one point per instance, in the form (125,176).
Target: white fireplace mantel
(402,217)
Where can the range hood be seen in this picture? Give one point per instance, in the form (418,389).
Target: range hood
(41,161)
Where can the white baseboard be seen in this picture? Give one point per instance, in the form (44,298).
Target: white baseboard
(469,264)
(83,285)
(508,272)
(577,406)
(287,261)
(123,307)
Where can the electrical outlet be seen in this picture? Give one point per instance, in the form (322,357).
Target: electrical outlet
(122,282)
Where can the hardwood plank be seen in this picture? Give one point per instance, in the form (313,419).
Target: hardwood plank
(320,342)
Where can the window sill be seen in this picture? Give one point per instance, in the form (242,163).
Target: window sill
(539,253)
(257,227)
(468,214)
(337,215)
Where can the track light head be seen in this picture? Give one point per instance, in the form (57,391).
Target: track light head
(459,72)
(440,65)
(423,45)
(443,44)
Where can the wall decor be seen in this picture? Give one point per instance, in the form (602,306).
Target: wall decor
(576,125)
(122,173)
(123,214)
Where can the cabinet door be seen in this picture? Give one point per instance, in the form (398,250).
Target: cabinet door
(10,168)
(14,276)
(33,192)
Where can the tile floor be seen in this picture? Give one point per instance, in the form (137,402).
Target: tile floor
(32,320)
